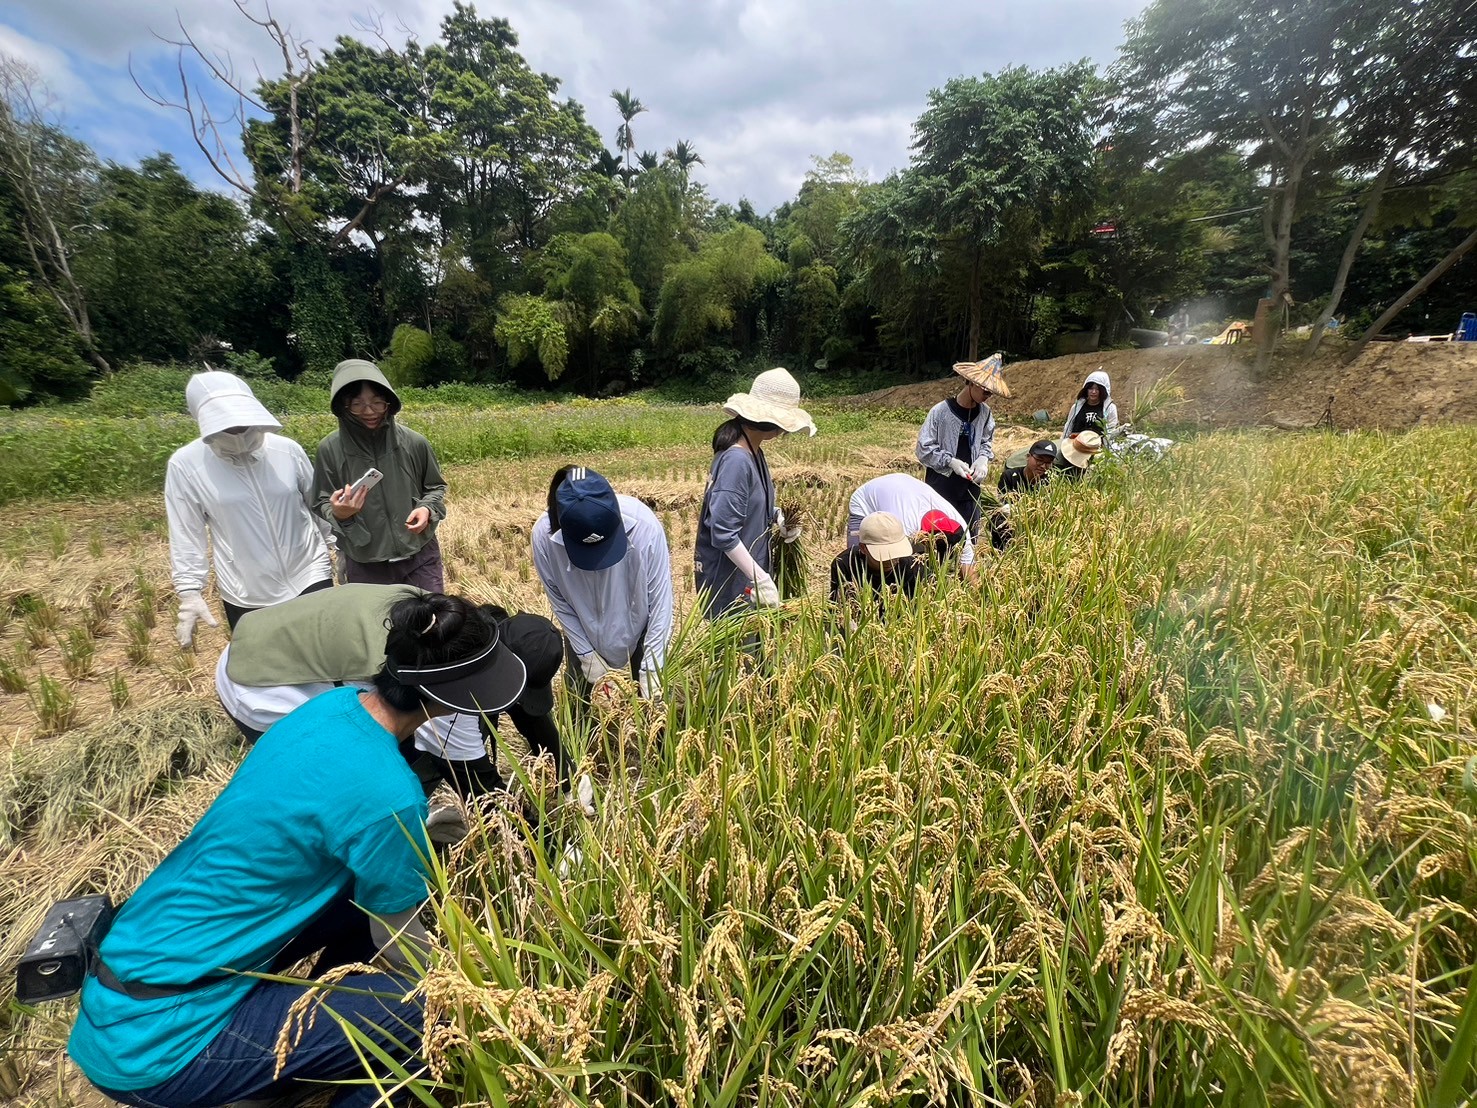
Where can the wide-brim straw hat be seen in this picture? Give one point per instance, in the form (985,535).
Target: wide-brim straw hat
(1080,448)
(988,374)
(774,397)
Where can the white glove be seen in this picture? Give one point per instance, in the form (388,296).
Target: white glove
(582,796)
(593,666)
(787,534)
(959,469)
(649,684)
(192,609)
(979,471)
(766,593)
(1004,510)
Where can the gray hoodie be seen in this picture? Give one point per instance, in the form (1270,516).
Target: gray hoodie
(1082,418)
(412,476)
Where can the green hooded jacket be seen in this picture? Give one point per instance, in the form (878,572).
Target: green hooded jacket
(412,476)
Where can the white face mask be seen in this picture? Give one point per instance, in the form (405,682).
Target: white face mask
(238,446)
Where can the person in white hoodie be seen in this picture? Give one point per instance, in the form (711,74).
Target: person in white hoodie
(1094,409)
(250,493)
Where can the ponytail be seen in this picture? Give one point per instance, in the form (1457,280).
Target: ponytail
(428,630)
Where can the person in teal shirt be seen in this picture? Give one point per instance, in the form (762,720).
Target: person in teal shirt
(316,845)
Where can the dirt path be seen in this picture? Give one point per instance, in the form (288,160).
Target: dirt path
(1392,386)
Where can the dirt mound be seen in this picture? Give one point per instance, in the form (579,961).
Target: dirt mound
(1392,386)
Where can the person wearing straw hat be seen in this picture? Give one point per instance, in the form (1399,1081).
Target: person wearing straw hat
(732,564)
(883,560)
(1075,454)
(247,495)
(317,844)
(607,571)
(956,443)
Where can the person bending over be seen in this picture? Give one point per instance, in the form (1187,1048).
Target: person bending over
(282,657)
(884,561)
(606,569)
(316,844)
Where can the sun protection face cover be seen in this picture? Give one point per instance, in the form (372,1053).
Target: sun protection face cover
(219,401)
(883,537)
(938,523)
(485,683)
(590,520)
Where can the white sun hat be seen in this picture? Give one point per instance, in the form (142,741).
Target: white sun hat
(1080,448)
(220,401)
(774,397)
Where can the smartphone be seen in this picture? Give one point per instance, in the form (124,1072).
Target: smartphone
(371,478)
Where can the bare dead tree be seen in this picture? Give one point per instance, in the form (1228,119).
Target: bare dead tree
(219,131)
(26,124)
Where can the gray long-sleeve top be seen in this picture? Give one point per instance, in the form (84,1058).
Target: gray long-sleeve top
(938,438)
(738,506)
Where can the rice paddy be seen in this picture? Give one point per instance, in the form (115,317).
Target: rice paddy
(1174,806)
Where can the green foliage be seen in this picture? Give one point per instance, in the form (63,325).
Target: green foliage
(650,227)
(530,327)
(322,324)
(709,293)
(411,353)
(37,356)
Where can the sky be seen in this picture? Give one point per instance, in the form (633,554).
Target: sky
(757,86)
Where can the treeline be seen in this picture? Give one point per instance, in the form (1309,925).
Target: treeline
(441,207)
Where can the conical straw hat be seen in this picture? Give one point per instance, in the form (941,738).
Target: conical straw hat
(987,374)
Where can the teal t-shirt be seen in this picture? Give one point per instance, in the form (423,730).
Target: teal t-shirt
(323,803)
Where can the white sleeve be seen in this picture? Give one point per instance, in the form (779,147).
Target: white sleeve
(305,486)
(929,450)
(659,600)
(987,437)
(188,564)
(1110,416)
(1071,415)
(564,613)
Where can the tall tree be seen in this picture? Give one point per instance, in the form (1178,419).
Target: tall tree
(998,161)
(629,108)
(53,183)
(1270,79)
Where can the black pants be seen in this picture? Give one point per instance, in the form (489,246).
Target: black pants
(478,776)
(963,495)
(234,614)
(340,931)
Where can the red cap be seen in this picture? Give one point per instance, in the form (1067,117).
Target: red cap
(938,523)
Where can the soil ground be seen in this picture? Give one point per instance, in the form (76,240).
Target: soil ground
(1390,387)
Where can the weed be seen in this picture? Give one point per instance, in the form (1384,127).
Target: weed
(54,705)
(95,545)
(22,652)
(146,597)
(78,650)
(102,601)
(118,694)
(59,536)
(12,676)
(38,630)
(138,647)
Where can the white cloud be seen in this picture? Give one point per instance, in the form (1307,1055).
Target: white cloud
(756,85)
(51,64)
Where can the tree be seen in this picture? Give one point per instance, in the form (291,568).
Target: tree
(710,292)
(585,275)
(52,181)
(684,156)
(1269,79)
(650,226)
(830,192)
(998,162)
(629,108)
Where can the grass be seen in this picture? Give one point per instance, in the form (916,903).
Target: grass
(1156,814)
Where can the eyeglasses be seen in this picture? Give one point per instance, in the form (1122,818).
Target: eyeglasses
(365,407)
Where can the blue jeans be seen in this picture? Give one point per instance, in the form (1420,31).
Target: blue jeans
(239,1062)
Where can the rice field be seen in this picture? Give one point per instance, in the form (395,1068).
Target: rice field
(1174,806)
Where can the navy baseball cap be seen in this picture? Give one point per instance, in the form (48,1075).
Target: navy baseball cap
(590,520)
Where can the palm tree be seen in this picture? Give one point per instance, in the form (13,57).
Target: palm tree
(684,156)
(646,159)
(630,108)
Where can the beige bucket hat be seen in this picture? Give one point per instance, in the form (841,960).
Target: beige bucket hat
(1080,448)
(774,397)
(988,374)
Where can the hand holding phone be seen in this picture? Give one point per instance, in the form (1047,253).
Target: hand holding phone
(371,478)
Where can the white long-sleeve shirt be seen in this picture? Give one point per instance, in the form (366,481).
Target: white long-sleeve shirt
(910,500)
(268,544)
(606,611)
